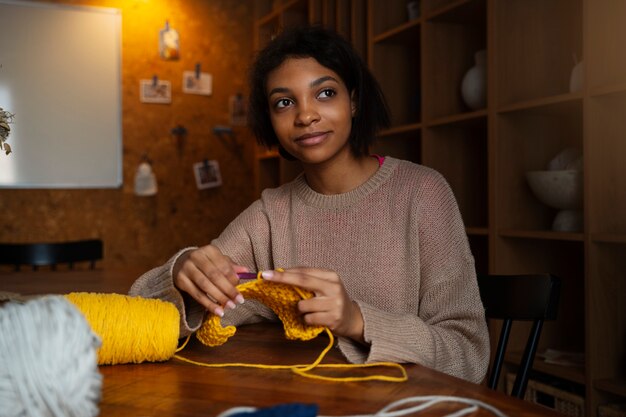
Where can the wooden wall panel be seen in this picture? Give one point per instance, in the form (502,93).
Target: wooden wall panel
(145,231)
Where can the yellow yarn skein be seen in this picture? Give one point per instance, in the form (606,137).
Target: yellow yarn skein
(132,329)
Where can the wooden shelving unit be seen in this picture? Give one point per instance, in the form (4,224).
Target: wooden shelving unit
(530,116)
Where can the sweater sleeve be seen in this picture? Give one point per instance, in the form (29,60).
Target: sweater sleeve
(234,242)
(158,283)
(449,333)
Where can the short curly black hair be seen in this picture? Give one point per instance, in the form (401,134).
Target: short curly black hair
(334,52)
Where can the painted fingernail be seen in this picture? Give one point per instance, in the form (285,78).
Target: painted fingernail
(268,275)
(230,304)
(239,299)
(218,311)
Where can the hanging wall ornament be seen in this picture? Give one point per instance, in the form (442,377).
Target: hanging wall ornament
(145,180)
(169,46)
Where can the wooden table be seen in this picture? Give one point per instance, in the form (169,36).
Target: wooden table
(176,388)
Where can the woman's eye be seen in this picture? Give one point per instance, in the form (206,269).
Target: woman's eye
(326,93)
(283,102)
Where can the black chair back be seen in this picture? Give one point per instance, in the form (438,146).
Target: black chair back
(51,253)
(531,297)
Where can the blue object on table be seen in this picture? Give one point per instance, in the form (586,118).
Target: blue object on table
(283,410)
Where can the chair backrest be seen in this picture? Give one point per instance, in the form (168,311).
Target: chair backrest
(51,253)
(531,297)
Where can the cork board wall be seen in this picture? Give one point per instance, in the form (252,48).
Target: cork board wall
(145,231)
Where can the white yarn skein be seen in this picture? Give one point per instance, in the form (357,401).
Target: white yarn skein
(48,360)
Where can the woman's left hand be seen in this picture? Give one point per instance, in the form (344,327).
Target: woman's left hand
(330,307)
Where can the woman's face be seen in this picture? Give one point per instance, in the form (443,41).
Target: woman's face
(311,110)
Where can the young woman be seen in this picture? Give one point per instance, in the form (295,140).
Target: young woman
(379,241)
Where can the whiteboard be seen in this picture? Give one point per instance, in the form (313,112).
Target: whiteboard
(60,75)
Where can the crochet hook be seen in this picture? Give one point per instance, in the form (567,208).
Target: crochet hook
(246,276)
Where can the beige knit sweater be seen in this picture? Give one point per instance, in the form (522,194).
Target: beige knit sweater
(398,243)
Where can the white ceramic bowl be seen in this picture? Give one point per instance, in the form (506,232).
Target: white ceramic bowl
(561,190)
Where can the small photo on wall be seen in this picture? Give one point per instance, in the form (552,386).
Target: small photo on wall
(207,174)
(151,92)
(194,83)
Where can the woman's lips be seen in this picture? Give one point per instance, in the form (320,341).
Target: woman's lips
(311,139)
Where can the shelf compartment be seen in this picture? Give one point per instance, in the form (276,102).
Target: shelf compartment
(347,17)
(388,15)
(457,118)
(329,13)
(606,61)
(358,27)
(606,298)
(608,90)
(611,386)
(477,231)
(398,130)
(527,140)
(395,62)
(290,14)
(618,238)
(457,11)
(606,149)
(568,99)
(405,33)
(570,373)
(536,40)
(267,12)
(564,259)
(402,144)
(541,234)
(450,48)
(459,152)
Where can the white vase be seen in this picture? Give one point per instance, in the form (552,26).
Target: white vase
(474,85)
(413,9)
(576,78)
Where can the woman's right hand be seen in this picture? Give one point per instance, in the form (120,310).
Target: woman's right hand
(209,277)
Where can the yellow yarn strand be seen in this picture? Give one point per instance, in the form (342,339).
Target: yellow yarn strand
(304,370)
(132,329)
(282,299)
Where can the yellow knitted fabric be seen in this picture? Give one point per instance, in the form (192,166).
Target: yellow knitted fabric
(281,298)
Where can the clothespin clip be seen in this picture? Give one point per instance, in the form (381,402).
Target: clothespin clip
(197,71)
(179,130)
(206,162)
(167,25)
(180,133)
(155,80)
(223,130)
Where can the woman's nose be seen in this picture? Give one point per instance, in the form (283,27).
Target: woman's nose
(307,114)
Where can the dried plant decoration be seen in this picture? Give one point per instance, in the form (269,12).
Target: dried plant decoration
(5,119)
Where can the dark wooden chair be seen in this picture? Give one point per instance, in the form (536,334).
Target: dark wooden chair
(51,254)
(518,297)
